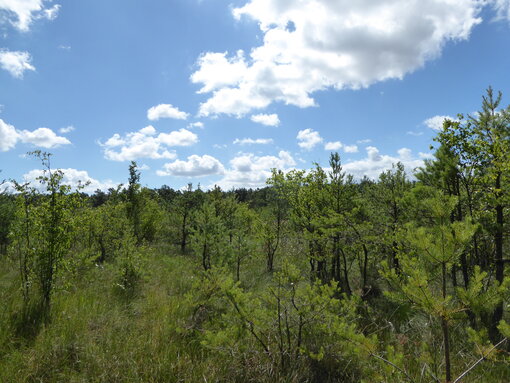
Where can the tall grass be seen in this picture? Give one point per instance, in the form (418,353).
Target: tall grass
(98,335)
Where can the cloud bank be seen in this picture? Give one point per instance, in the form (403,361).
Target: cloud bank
(313,45)
(146,143)
(41,137)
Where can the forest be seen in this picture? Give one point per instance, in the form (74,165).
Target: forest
(317,277)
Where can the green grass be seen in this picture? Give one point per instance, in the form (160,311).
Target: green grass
(99,334)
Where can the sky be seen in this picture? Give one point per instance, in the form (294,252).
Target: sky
(218,92)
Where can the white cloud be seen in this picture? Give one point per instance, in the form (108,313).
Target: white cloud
(15,62)
(502,8)
(8,136)
(416,134)
(197,124)
(251,141)
(331,44)
(266,119)
(51,13)
(436,122)
(308,139)
(426,156)
(333,145)
(67,129)
(73,178)
(217,71)
(195,166)
(364,141)
(43,137)
(165,111)
(64,47)
(405,154)
(135,145)
(146,143)
(350,149)
(115,140)
(248,170)
(26,11)
(375,163)
(337,145)
(181,137)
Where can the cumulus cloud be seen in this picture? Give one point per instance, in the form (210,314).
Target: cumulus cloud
(73,178)
(166,111)
(375,163)
(337,145)
(15,62)
(308,139)
(195,166)
(146,143)
(266,119)
(67,129)
(350,149)
(251,171)
(181,137)
(41,137)
(217,71)
(436,122)
(319,44)
(21,13)
(251,141)
(9,136)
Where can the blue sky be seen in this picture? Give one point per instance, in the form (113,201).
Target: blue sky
(220,92)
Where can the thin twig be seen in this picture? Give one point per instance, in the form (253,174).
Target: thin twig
(393,365)
(461,376)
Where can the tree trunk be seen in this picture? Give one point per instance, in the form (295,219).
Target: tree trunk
(498,260)
(183,233)
(446,336)
(346,274)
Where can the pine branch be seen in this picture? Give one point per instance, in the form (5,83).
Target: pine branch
(461,376)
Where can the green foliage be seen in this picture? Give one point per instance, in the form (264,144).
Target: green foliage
(183,206)
(151,217)
(41,234)
(423,275)
(7,213)
(107,229)
(290,326)
(242,241)
(314,278)
(130,263)
(133,205)
(208,236)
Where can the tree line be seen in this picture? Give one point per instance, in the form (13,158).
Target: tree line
(316,277)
